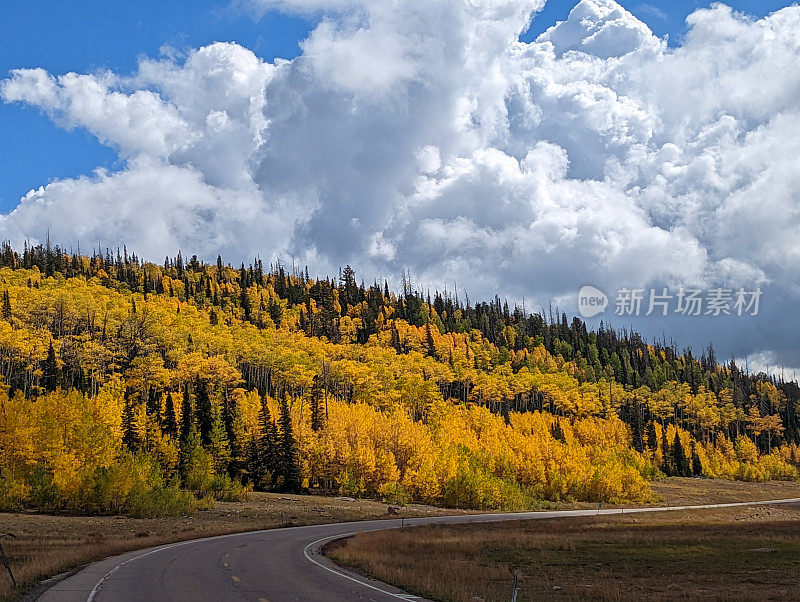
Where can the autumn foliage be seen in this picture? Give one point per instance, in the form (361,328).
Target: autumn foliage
(198,385)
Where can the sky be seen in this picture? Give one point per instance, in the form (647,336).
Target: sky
(519,147)
(101,34)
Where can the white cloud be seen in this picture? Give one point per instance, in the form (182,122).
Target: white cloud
(157,207)
(601,28)
(422,134)
(135,123)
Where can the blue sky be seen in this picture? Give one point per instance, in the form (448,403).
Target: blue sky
(103,34)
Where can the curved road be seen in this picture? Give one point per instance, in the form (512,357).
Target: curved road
(276,565)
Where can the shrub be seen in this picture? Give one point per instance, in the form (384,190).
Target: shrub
(14,493)
(395,493)
(158,502)
(134,485)
(201,478)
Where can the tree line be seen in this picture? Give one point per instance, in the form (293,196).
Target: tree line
(250,377)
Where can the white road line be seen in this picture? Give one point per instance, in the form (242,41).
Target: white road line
(402,596)
(523,516)
(100,583)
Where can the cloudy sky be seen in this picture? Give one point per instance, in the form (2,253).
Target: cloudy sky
(501,145)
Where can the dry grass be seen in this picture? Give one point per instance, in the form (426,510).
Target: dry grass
(43,545)
(679,491)
(728,554)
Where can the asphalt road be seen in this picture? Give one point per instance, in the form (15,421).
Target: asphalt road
(276,565)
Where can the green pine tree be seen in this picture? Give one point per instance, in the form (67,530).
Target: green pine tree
(51,370)
(396,338)
(275,312)
(195,463)
(219,444)
(264,460)
(130,438)
(237,436)
(187,417)
(205,412)
(244,301)
(666,454)
(652,437)
(697,466)
(290,465)
(6,306)
(170,418)
(430,344)
(317,393)
(679,459)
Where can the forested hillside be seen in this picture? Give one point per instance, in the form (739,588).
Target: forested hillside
(134,387)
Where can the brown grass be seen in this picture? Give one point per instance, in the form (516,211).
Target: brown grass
(41,545)
(748,553)
(679,491)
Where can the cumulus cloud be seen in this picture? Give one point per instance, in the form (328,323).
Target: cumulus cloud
(601,28)
(424,135)
(133,123)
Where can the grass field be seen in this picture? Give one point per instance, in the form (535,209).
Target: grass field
(679,491)
(42,545)
(750,553)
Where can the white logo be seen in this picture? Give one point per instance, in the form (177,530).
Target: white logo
(591,301)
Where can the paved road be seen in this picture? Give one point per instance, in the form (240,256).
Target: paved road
(276,565)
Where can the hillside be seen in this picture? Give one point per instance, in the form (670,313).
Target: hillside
(149,389)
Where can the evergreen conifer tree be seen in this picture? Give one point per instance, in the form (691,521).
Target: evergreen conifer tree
(697,466)
(652,438)
(130,437)
(187,417)
(666,454)
(290,465)
(51,370)
(6,306)
(317,392)
(429,341)
(170,418)
(679,459)
(264,461)
(219,444)
(205,412)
